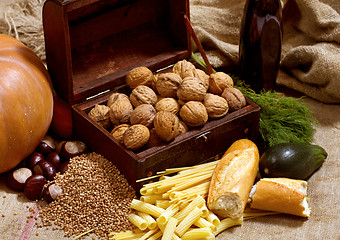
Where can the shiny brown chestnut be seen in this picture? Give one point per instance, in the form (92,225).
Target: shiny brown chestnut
(34,186)
(54,158)
(17,178)
(34,159)
(52,192)
(46,169)
(70,149)
(47,145)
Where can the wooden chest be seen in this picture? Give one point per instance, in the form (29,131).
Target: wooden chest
(90,47)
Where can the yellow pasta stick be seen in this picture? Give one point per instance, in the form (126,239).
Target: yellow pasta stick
(169,212)
(169,230)
(151,198)
(196,202)
(148,218)
(205,211)
(155,236)
(146,207)
(137,221)
(126,235)
(199,233)
(163,203)
(185,224)
(148,234)
(213,219)
(227,223)
(202,223)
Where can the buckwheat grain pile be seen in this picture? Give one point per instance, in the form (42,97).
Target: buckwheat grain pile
(95,196)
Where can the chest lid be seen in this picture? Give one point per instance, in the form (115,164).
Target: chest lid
(92,44)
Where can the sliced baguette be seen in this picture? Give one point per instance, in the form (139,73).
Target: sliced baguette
(233,179)
(280,195)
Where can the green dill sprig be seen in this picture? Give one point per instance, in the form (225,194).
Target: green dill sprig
(282,119)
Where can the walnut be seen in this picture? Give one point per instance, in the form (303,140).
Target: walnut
(219,81)
(182,128)
(191,89)
(100,114)
(166,125)
(115,97)
(167,84)
(201,75)
(143,114)
(120,112)
(194,114)
(168,104)
(216,106)
(184,69)
(143,95)
(136,136)
(139,76)
(235,98)
(118,131)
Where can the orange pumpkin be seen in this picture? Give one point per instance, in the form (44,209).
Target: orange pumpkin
(26,102)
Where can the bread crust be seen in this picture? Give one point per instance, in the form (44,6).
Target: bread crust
(233,179)
(281,195)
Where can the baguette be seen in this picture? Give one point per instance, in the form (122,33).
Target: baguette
(282,195)
(232,179)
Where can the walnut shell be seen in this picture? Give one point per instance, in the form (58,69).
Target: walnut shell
(191,89)
(182,128)
(120,112)
(216,106)
(115,97)
(100,114)
(136,136)
(194,114)
(139,76)
(184,69)
(219,81)
(201,75)
(143,114)
(166,125)
(167,84)
(143,95)
(168,104)
(118,131)
(235,98)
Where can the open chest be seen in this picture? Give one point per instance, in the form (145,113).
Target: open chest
(91,45)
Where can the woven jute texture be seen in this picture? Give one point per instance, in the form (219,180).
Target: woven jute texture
(310,64)
(310,60)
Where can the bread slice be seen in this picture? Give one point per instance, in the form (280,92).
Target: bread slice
(233,179)
(280,195)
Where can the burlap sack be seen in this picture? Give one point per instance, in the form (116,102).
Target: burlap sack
(310,53)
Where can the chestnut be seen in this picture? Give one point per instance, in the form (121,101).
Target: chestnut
(17,178)
(52,192)
(47,145)
(34,159)
(70,149)
(34,186)
(46,169)
(63,167)
(54,158)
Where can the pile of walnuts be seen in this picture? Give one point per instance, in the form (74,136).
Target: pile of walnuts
(165,105)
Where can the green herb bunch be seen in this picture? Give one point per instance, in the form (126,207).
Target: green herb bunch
(282,119)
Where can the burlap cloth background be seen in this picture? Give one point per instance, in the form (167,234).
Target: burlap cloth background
(311,41)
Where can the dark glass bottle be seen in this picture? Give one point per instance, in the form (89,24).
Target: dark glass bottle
(260,43)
